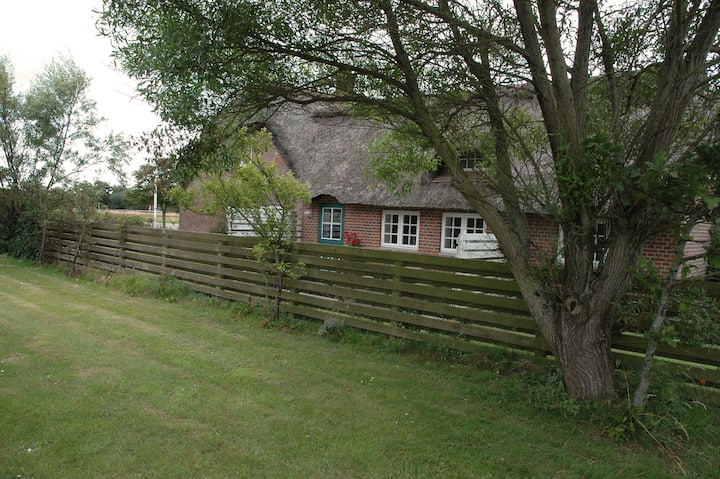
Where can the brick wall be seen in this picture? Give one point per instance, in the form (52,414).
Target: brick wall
(430,233)
(366,221)
(661,249)
(544,234)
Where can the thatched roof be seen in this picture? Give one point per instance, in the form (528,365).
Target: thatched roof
(329,150)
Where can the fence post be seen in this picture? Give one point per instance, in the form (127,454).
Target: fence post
(220,264)
(396,293)
(122,238)
(163,260)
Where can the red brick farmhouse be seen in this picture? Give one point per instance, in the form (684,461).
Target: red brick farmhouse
(329,151)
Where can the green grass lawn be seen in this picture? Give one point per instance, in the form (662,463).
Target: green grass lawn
(97,384)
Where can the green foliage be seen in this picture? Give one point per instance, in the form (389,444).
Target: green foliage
(589,181)
(26,210)
(129,220)
(712,256)
(604,175)
(697,321)
(47,137)
(397,159)
(693,319)
(59,128)
(20,234)
(238,180)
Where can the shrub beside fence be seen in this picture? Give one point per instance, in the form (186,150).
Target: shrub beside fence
(457,303)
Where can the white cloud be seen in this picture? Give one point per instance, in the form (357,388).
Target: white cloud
(33,32)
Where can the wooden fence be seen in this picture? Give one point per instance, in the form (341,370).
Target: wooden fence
(458,303)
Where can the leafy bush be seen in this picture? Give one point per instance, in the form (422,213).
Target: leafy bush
(713,253)
(20,216)
(693,319)
(23,236)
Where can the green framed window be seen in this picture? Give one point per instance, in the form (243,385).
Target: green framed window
(331,224)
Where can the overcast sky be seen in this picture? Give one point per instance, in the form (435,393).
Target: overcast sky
(32,32)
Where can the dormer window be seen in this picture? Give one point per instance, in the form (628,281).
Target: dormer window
(470,161)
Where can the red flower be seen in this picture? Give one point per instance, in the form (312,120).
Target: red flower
(352,239)
(702,381)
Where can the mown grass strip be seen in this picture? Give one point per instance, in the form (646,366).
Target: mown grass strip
(95,383)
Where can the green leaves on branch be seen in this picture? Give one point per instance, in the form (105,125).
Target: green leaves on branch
(48,134)
(240,178)
(243,179)
(603,178)
(693,319)
(397,159)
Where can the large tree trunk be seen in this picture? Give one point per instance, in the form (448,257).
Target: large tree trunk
(574,313)
(582,347)
(579,336)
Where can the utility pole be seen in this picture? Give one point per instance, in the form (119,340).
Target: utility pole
(155,199)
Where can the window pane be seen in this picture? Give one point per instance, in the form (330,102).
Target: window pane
(455,224)
(390,231)
(410,230)
(453,227)
(475,225)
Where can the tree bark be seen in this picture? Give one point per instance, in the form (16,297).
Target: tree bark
(583,351)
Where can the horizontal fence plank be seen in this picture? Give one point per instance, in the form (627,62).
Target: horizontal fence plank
(463,304)
(637,343)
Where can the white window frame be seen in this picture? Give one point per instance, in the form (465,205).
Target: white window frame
(601,237)
(464,217)
(402,225)
(470,161)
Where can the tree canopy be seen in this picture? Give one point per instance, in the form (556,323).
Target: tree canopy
(582,111)
(48,137)
(49,133)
